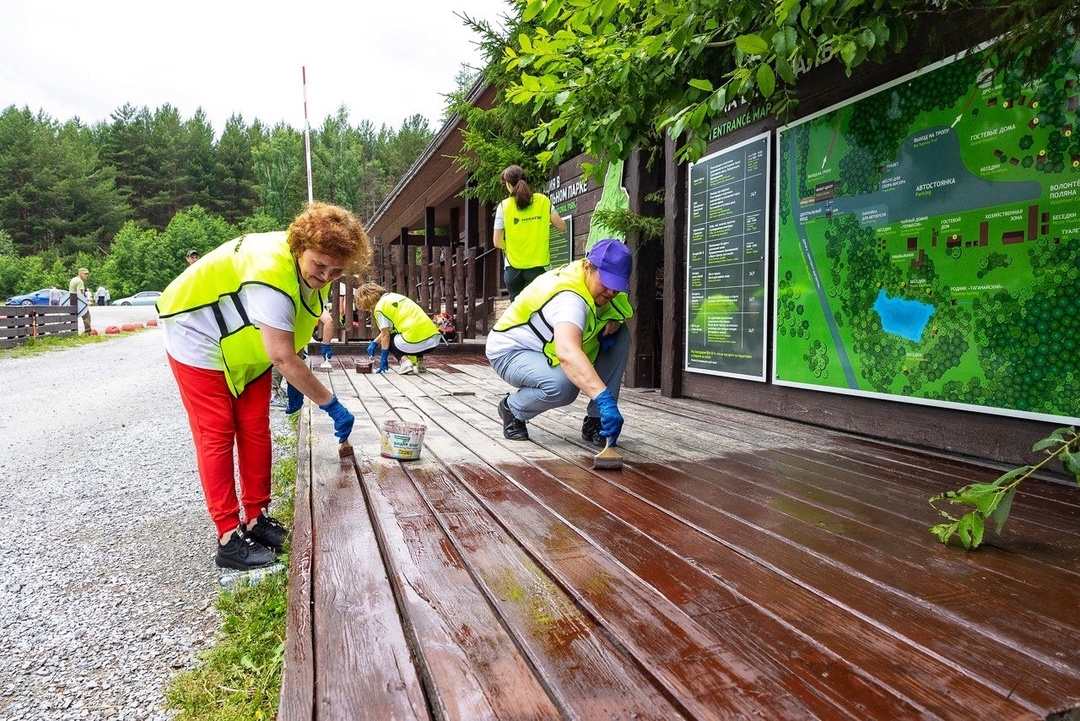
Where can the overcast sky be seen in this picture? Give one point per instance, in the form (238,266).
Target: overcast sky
(384,60)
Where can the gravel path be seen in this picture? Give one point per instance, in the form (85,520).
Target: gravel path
(106,548)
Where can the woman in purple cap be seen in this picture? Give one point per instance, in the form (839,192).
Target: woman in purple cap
(565,334)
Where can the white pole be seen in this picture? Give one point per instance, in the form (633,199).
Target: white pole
(307,139)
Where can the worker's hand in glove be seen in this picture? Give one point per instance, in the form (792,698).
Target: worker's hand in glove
(372,347)
(610,419)
(384,362)
(296,399)
(343,420)
(607,342)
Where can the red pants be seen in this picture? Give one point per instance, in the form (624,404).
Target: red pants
(218,421)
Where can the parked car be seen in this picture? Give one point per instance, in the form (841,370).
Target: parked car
(146,297)
(38,297)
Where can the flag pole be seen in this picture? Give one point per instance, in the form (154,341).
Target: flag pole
(307,139)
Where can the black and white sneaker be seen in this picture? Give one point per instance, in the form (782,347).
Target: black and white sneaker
(590,432)
(269,532)
(243,554)
(513,429)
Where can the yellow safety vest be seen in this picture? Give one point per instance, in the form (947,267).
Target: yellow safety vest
(527,233)
(217,279)
(532,300)
(408,319)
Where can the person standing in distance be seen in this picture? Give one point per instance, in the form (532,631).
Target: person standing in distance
(77,287)
(250,304)
(522,229)
(192,256)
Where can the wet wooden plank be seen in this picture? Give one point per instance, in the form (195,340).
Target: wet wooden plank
(788,570)
(846,495)
(707,673)
(1050,658)
(587,674)
(297,697)
(955,627)
(826,683)
(363,664)
(471,667)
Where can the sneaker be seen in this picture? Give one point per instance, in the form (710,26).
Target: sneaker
(405,366)
(590,432)
(513,429)
(243,554)
(420,367)
(270,532)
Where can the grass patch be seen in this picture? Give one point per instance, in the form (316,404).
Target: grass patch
(37,346)
(240,677)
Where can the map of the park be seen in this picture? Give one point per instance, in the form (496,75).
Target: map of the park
(929,242)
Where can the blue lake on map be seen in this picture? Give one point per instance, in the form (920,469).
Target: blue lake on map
(902,317)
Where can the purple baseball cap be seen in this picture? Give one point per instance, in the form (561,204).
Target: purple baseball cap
(614,261)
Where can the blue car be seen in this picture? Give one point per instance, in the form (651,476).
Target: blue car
(38,297)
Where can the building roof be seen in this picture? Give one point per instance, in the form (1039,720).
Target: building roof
(434,180)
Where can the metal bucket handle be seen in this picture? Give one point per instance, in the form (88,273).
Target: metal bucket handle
(404,408)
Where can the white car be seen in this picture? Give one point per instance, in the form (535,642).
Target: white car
(146,297)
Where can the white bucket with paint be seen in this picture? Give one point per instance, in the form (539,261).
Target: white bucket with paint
(401,439)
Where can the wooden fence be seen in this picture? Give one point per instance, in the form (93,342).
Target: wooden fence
(18,323)
(441,279)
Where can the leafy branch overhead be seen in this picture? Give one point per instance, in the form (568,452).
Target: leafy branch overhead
(600,77)
(993,501)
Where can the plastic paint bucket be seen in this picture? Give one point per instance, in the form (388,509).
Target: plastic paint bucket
(363,365)
(400,439)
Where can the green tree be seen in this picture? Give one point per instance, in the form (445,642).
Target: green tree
(197,153)
(235,195)
(125,146)
(337,152)
(279,167)
(602,77)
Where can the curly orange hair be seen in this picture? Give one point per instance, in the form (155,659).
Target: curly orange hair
(332,230)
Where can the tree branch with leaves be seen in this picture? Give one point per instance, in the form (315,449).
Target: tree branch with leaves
(603,77)
(993,501)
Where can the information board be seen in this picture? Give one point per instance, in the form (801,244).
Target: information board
(561,243)
(727,261)
(928,242)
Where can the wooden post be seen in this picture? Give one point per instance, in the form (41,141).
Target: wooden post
(672,335)
(470,291)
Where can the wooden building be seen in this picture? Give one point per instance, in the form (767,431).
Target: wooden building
(435,245)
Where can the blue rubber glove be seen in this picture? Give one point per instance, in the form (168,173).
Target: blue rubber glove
(343,420)
(372,347)
(607,342)
(610,419)
(296,399)
(384,362)
(327,352)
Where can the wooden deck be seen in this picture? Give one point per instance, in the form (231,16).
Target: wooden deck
(738,566)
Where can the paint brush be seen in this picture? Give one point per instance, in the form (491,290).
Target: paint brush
(345,450)
(608,459)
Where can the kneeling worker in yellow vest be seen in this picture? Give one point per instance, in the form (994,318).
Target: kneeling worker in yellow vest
(404,329)
(565,334)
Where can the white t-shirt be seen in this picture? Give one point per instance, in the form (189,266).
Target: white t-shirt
(194,338)
(566,307)
(500,224)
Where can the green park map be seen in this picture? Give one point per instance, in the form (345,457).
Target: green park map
(929,242)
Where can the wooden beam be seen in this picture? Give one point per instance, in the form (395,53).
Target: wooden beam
(671,322)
